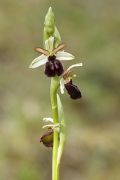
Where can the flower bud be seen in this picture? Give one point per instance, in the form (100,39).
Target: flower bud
(73,90)
(47,138)
(49,24)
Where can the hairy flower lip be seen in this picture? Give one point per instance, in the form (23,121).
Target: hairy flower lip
(53,67)
(50,69)
(73,90)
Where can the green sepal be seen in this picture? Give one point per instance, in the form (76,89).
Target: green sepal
(57,37)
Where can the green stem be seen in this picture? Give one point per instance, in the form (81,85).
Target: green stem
(53,96)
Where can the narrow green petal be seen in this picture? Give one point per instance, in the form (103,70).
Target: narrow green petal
(39,61)
(64,56)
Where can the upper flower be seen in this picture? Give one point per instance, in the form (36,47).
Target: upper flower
(51,57)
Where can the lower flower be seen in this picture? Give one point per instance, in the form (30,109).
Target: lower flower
(47,138)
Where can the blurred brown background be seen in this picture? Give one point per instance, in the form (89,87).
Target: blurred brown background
(91,29)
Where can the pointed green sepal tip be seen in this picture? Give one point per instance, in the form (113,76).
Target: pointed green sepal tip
(49,24)
(57,37)
(49,18)
(50,10)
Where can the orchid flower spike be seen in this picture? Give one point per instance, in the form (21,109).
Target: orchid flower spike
(66,83)
(51,58)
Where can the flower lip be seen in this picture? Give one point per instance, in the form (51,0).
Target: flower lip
(53,67)
(73,90)
(58,67)
(50,69)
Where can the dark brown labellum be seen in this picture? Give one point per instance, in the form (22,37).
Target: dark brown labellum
(73,90)
(53,67)
(47,138)
(50,69)
(58,67)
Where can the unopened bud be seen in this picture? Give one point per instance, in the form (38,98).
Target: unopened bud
(49,24)
(47,138)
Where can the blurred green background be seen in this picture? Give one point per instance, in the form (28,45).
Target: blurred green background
(91,30)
